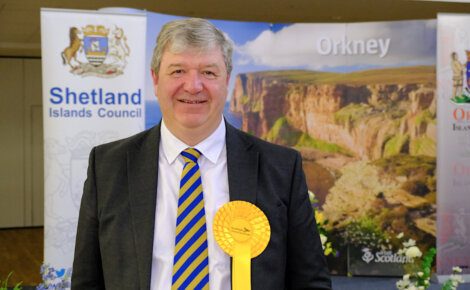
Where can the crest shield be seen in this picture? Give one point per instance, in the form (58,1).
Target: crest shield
(95,44)
(96,49)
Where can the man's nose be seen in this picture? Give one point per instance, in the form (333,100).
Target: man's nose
(193,83)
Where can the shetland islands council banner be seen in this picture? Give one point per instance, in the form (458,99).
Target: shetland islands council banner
(93,89)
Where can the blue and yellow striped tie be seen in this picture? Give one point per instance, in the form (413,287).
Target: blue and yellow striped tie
(191,262)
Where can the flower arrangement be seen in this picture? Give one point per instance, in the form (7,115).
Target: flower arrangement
(4,284)
(53,279)
(454,280)
(321,226)
(418,272)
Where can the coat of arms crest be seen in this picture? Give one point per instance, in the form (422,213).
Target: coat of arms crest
(96,50)
(460,96)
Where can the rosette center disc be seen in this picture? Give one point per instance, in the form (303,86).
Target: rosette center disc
(241,230)
(240,223)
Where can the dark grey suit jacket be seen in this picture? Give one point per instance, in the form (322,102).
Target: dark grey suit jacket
(116,223)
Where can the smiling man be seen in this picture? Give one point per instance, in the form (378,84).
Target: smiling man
(149,200)
(191,87)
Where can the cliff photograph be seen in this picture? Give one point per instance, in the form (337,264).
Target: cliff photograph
(368,143)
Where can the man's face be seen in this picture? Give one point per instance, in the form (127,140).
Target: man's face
(191,87)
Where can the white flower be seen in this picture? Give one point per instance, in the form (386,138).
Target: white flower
(400,235)
(401,285)
(456,278)
(456,270)
(409,243)
(420,274)
(421,288)
(413,252)
(406,277)
(323,239)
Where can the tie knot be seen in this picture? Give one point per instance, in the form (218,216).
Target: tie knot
(191,155)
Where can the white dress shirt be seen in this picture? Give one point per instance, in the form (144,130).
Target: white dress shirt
(213,167)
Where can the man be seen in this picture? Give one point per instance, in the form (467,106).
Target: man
(130,205)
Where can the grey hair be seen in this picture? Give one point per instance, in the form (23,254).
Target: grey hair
(178,35)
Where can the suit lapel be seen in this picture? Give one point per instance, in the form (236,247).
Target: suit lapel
(142,162)
(242,166)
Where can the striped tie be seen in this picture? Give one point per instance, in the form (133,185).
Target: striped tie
(191,262)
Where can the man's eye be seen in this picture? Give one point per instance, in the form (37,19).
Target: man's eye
(177,72)
(209,74)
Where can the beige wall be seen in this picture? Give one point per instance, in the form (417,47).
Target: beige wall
(21,143)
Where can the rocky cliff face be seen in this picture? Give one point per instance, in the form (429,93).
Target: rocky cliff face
(367,140)
(363,118)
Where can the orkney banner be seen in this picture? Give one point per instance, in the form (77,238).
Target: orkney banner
(453,166)
(358,101)
(93,90)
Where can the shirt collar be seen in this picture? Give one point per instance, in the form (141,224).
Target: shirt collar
(211,147)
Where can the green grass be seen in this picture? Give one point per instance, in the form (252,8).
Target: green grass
(306,141)
(423,146)
(352,113)
(407,165)
(415,74)
(4,284)
(396,145)
(282,133)
(425,117)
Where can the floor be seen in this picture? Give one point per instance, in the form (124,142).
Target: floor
(21,252)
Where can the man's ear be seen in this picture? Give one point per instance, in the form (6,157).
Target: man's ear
(154,77)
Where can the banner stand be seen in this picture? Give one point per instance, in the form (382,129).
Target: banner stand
(93,65)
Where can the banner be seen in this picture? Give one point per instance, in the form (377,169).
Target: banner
(453,179)
(93,67)
(358,101)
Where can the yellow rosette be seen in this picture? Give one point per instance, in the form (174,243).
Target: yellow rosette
(242,230)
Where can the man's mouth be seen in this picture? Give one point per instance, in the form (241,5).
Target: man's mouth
(192,101)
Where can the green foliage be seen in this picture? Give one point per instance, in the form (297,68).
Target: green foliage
(426,266)
(408,165)
(255,106)
(4,284)
(299,76)
(396,145)
(414,74)
(395,113)
(423,146)
(418,272)
(352,113)
(282,133)
(366,232)
(306,140)
(425,117)
(244,99)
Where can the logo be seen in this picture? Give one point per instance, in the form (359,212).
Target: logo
(384,256)
(96,51)
(460,93)
(367,256)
